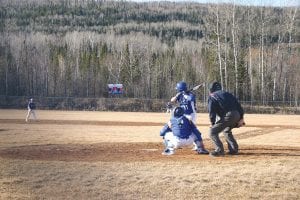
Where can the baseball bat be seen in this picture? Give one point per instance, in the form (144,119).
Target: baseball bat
(196,87)
(173,99)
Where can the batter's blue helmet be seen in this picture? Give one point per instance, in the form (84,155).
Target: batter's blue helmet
(181,86)
(178,112)
(215,86)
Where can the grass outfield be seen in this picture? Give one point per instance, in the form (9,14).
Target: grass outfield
(117,155)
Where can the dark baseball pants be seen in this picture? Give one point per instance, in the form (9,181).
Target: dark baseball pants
(226,124)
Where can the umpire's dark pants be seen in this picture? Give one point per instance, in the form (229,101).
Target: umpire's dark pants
(227,124)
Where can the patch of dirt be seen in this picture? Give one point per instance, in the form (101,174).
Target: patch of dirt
(132,152)
(123,123)
(81,122)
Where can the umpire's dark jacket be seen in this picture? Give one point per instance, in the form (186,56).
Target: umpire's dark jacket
(221,102)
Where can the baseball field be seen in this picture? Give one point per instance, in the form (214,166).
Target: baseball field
(117,155)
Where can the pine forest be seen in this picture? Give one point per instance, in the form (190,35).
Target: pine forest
(74,48)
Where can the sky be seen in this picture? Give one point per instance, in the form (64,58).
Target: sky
(275,3)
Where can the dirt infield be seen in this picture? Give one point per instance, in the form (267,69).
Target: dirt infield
(132,152)
(104,155)
(129,152)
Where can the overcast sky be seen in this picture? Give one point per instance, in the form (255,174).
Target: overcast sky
(277,3)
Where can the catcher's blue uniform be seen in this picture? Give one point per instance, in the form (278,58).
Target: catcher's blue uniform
(182,128)
(179,132)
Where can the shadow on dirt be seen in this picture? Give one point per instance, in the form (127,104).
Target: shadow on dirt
(273,151)
(266,154)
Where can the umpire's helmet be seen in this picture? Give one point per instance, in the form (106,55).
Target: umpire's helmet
(178,112)
(181,86)
(215,86)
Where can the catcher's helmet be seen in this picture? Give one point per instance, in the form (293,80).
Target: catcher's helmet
(178,112)
(181,86)
(215,86)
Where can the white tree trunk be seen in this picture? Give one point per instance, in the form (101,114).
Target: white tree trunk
(284,90)
(291,27)
(297,94)
(262,58)
(275,70)
(250,57)
(234,49)
(225,58)
(219,47)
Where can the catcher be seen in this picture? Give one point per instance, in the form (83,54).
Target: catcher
(230,115)
(180,132)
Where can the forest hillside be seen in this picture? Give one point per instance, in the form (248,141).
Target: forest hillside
(74,48)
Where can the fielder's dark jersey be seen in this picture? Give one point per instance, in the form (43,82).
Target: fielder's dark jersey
(31,105)
(182,128)
(221,102)
(188,102)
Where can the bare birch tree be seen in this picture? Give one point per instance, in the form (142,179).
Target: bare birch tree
(250,70)
(290,29)
(219,45)
(234,46)
(261,65)
(225,55)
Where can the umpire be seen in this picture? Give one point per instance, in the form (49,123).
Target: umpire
(229,111)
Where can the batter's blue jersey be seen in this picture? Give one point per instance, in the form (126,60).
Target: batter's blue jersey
(188,102)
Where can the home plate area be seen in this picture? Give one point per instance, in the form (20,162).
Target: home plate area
(132,152)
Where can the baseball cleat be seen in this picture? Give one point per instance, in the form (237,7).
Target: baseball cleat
(202,151)
(232,153)
(167,152)
(216,153)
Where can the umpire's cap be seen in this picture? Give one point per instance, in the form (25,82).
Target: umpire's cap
(215,86)
(178,112)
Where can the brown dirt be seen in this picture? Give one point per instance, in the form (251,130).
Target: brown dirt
(115,155)
(123,123)
(132,152)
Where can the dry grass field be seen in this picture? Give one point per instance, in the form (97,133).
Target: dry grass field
(117,155)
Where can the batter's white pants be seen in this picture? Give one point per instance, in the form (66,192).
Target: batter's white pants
(192,117)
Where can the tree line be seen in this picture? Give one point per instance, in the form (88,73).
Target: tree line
(74,48)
